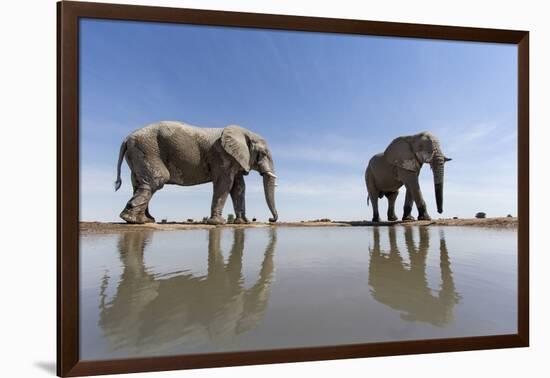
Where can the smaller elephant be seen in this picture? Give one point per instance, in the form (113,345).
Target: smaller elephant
(400,165)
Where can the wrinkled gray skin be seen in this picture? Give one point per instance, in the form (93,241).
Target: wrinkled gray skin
(175,153)
(400,165)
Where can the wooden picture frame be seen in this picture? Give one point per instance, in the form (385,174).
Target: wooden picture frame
(69,13)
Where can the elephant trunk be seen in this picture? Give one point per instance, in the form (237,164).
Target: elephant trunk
(438,172)
(269,191)
(439,197)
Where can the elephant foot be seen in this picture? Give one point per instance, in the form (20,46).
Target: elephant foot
(376,219)
(216,220)
(241,220)
(408,218)
(133,218)
(424,216)
(150,218)
(392,217)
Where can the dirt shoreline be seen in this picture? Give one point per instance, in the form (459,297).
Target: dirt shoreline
(108,227)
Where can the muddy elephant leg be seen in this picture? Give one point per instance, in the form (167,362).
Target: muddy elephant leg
(238,198)
(391,206)
(149,216)
(222,187)
(134,212)
(150,219)
(149,174)
(407,207)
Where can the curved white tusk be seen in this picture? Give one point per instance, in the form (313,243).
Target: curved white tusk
(271,175)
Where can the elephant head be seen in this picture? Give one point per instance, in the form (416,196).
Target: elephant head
(251,152)
(410,152)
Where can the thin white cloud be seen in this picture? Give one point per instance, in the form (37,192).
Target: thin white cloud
(478,132)
(317,154)
(465,138)
(328,147)
(312,185)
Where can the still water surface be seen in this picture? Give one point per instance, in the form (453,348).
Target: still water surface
(195,291)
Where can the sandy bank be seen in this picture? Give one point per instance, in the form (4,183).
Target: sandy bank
(105,227)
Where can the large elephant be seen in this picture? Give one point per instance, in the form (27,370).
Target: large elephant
(400,165)
(151,314)
(176,153)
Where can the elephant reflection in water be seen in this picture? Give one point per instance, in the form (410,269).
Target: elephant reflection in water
(406,288)
(150,315)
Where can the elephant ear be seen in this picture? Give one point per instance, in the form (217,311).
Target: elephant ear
(235,144)
(400,153)
(424,146)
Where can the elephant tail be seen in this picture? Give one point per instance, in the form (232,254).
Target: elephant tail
(121,154)
(368,200)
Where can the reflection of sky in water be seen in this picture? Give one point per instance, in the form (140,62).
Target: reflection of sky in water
(162,293)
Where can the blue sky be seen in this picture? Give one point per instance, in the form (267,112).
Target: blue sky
(324,102)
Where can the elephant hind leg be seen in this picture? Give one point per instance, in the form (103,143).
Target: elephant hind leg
(392,196)
(134,212)
(375,214)
(145,181)
(373,195)
(149,217)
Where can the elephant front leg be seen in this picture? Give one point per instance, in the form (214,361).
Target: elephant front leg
(222,187)
(420,204)
(238,198)
(407,208)
(411,183)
